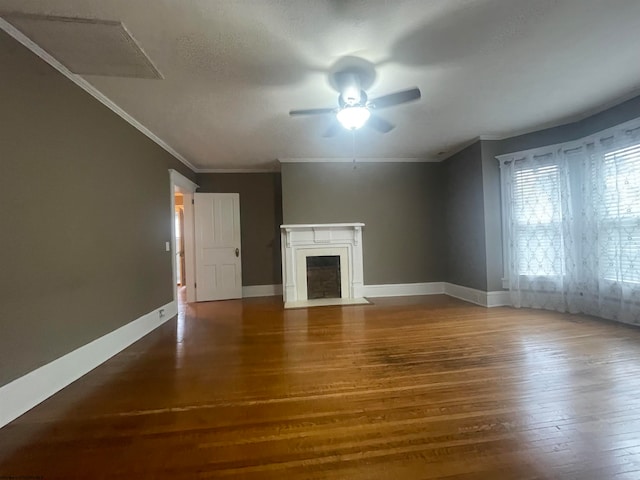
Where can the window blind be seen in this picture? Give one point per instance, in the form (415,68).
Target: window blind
(538,220)
(619,212)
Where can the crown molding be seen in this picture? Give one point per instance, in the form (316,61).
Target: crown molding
(460,148)
(236,170)
(468,143)
(90,89)
(358,160)
(621,129)
(569,120)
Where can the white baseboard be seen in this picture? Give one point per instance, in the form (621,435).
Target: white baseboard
(26,392)
(261,291)
(403,289)
(498,299)
(479,297)
(467,294)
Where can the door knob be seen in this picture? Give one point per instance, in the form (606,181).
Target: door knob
(237,252)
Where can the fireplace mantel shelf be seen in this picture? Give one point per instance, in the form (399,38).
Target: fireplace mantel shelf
(322,225)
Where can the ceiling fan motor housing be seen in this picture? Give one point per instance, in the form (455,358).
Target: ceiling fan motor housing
(362,100)
(350,88)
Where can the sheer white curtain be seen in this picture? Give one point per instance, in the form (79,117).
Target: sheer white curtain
(572,226)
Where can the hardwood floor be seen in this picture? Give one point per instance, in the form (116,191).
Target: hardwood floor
(408,388)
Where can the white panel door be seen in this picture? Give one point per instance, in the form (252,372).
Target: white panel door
(218,265)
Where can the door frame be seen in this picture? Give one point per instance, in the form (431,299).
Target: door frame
(182,184)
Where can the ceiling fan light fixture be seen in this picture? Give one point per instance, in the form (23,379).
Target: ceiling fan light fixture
(353,118)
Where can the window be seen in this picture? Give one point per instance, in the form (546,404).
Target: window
(619,215)
(538,220)
(571,218)
(537,215)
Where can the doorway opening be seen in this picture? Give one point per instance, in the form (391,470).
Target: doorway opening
(179,237)
(182,237)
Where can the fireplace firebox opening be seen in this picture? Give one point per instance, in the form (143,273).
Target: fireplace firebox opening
(323,277)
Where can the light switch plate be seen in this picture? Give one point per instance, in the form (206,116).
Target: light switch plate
(167,246)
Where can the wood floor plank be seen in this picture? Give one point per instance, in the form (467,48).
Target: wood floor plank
(407,388)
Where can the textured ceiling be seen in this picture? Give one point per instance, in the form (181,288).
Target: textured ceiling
(234,68)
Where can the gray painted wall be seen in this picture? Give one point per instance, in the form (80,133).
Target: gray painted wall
(85,216)
(260,220)
(492,215)
(572,131)
(537,139)
(611,117)
(400,203)
(464,224)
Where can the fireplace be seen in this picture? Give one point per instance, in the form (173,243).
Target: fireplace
(323,277)
(322,264)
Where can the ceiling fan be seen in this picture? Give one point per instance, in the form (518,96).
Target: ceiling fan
(355,110)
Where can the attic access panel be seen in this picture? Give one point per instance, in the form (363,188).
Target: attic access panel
(87,46)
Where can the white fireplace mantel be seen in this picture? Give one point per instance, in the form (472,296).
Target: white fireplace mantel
(307,240)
